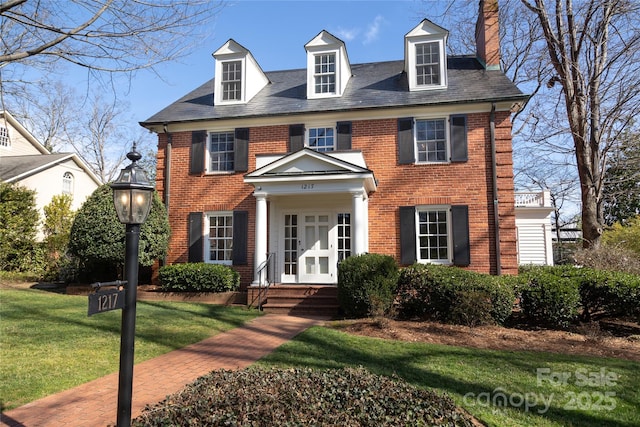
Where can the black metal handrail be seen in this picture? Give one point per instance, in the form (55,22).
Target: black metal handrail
(263,279)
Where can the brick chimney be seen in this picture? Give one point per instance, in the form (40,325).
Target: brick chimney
(488,35)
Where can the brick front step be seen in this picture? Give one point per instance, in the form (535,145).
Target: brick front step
(298,299)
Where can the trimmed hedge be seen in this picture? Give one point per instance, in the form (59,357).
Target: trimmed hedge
(598,292)
(198,277)
(453,295)
(302,397)
(367,284)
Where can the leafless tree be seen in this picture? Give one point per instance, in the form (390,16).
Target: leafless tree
(101,35)
(594,49)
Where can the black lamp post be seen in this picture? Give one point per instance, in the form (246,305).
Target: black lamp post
(132,195)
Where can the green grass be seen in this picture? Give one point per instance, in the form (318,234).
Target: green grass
(49,344)
(481,375)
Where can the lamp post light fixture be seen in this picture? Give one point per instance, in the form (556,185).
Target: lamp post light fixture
(132,195)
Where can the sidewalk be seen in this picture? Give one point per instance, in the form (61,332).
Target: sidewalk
(95,403)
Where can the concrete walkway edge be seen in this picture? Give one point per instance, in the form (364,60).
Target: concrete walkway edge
(95,403)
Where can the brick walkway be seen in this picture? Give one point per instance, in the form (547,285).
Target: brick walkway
(95,403)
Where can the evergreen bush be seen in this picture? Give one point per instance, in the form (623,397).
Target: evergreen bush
(550,296)
(198,277)
(19,220)
(453,295)
(367,284)
(97,237)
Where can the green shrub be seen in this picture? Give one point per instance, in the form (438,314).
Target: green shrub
(198,277)
(19,220)
(367,284)
(550,296)
(302,397)
(608,293)
(453,295)
(97,237)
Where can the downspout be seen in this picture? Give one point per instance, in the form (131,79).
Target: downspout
(167,174)
(167,167)
(494,172)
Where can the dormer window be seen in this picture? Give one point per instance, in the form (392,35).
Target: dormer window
(427,64)
(328,68)
(238,76)
(325,73)
(232,81)
(425,57)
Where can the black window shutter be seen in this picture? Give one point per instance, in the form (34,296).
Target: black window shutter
(460,229)
(405,141)
(195,237)
(296,138)
(241,150)
(407,235)
(344,136)
(459,138)
(240,237)
(198,144)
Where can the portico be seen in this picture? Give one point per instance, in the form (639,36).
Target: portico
(311,212)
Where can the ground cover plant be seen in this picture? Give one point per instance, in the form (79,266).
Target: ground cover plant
(302,397)
(500,388)
(49,343)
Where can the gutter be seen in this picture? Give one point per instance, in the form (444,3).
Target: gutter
(494,172)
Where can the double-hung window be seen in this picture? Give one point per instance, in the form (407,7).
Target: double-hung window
(431,140)
(433,234)
(221,151)
(232,81)
(219,239)
(428,64)
(325,73)
(321,138)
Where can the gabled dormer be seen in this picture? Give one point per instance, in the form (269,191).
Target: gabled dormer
(328,68)
(425,57)
(238,76)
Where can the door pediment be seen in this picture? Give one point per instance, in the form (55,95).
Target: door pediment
(312,166)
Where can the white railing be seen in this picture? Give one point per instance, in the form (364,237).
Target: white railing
(533,199)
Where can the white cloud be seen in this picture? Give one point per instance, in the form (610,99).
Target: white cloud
(347,34)
(373,30)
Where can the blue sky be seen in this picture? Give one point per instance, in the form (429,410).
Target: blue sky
(275,32)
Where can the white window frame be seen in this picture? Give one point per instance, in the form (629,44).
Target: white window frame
(311,74)
(307,136)
(67,183)
(227,251)
(209,157)
(428,209)
(224,81)
(5,141)
(412,71)
(447,140)
(435,66)
(320,74)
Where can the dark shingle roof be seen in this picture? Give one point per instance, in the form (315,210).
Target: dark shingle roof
(372,85)
(12,167)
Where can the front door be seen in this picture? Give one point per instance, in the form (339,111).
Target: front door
(309,248)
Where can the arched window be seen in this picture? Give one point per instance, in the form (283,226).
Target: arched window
(67,183)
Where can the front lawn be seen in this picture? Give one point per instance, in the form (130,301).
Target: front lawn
(501,388)
(49,344)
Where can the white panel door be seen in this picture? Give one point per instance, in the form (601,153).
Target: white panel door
(316,248)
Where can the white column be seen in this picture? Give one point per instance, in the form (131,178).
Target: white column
(261,234)
(358,224)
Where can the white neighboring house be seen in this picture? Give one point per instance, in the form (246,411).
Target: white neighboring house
(25,161)
(533,227)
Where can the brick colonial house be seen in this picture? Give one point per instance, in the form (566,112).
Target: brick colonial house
(410,158)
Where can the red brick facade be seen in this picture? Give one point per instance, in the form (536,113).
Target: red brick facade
(466,183)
